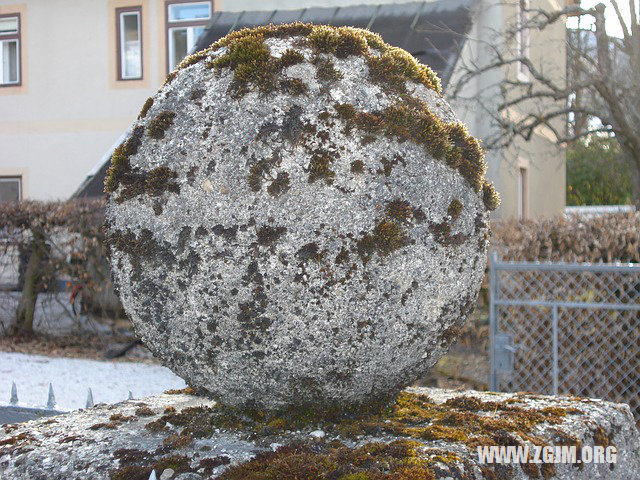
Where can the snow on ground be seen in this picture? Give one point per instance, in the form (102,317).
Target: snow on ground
(110,382)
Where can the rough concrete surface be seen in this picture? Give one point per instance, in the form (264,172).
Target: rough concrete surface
(111,442)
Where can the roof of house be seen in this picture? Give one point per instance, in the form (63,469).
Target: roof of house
(432,31)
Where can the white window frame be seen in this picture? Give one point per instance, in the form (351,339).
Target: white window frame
(12,37)
(188,24)
(191,40)
(137,11)
(13,178)
(183,4)
(523,38)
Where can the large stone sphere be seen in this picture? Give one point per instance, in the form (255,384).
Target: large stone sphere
(297,218)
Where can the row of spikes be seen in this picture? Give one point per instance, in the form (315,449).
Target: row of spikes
(51,400)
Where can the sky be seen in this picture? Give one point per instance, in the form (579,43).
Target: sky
(612,23)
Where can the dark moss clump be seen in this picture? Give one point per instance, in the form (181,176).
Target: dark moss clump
(159,125)
(153,183)
(386,237)
(395,66)
(160,180)
(455,209)
(279,185)
(490,197)
(144,411)
(326,70)
(293,86)
(138,464)
(208,464)
(269,235)
(104,425)
(309,251)
(183,391)
(140,247)
(252,64)
(357,166)
(399,209)
(291,57)
(120,167)
(600,437)
(320,168)
(401,459)
(442,234)
(145,108)
(175,441)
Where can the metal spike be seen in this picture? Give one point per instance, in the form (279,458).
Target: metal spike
(130,397)
(51,401)
(89,399)
(153,475)
(14,394)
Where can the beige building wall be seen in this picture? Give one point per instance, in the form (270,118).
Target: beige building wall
(543,163)
(540,159)
(70,108)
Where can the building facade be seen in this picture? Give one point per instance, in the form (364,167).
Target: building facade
(74,74)
(77,72)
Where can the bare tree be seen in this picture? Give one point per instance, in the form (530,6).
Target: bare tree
(599,93)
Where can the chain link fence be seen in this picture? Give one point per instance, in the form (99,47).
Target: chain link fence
(559,328)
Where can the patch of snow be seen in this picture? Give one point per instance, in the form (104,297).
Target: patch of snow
(110,382)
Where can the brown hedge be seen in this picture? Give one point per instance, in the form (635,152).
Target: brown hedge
(606,238)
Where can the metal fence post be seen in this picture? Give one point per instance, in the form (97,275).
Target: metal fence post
(493,381)
(555,349)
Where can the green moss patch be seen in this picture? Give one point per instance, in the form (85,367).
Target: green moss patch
(397,460)
(455,209)
(409,119)
(252,64)
(394,66)
(413,121)
(145,108)
(138,464)
(159,125)
(399,209)
(385,238)
(412,418)
(490,196)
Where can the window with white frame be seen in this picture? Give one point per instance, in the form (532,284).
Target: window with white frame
(522,37)
(129,22)
(185,23)
(9,50)
(10,189)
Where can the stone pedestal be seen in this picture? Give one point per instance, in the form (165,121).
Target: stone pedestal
(424,434)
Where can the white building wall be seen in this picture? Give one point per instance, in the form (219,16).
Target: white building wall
(70,108)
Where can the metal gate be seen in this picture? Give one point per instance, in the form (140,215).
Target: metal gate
(560,328)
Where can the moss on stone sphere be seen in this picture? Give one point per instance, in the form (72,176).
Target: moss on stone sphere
(298,219)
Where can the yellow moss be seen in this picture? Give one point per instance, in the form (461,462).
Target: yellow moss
(291,57)
(455,209)
(411,119)
(490,197)
(145,108)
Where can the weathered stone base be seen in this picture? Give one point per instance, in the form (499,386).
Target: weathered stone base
(425,434)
